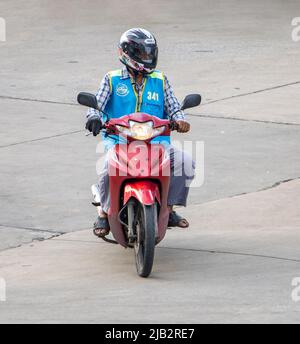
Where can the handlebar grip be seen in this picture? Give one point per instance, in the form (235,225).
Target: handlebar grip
(173,126)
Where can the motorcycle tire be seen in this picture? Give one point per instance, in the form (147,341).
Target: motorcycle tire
(145,244)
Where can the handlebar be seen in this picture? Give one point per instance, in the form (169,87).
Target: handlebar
(173,125)
(106,127)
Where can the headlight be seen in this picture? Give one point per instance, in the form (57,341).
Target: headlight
(140,131)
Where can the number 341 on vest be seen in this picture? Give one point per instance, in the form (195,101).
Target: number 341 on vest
(152,96)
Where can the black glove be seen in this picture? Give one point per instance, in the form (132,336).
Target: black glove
(94,125)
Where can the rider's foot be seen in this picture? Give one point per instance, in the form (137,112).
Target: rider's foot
(101,227)
(176,220)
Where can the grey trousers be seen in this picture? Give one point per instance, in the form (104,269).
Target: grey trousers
(182,174)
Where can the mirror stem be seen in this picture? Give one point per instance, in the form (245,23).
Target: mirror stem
(104,113)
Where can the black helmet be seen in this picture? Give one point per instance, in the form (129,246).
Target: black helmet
(138,50)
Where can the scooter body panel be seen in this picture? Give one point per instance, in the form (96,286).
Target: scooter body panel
(140,170)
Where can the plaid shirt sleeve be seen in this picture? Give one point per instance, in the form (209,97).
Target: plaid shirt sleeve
(171,102)
(102,96)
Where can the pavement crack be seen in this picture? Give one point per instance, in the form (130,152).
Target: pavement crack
(193,115)
(279,183)
(207,103)
(42,138)
(38,100)
(267,187)
(28,242)
(251,93)
(32,229)
(59,233)
(247,193)
(196,250)
(231,253)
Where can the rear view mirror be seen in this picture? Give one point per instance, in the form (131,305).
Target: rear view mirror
(190,101)
(87,99)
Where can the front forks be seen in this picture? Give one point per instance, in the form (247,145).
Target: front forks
(132,209)
(131,221)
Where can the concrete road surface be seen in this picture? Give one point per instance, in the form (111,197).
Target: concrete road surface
(237,261)
(237,266)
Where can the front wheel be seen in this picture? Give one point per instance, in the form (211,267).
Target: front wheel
(146,223)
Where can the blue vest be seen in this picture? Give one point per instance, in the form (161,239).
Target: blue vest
(124,100)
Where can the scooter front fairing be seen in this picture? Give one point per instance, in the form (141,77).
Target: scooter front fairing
(138,170)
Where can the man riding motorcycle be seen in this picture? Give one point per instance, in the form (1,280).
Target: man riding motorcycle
(138,87)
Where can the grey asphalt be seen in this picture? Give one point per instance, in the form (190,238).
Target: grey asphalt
(240,56)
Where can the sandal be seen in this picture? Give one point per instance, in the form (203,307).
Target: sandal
(101,227)
(176,220)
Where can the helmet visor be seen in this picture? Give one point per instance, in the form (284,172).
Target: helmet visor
(144,54)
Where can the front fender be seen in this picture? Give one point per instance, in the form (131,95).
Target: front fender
(145,191)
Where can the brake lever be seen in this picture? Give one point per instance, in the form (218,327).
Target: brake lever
(173,125)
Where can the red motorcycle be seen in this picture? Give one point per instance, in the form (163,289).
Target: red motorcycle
(139,177)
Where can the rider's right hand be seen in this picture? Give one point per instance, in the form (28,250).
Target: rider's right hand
(94,125)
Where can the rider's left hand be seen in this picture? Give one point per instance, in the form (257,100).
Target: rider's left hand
(183,126)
